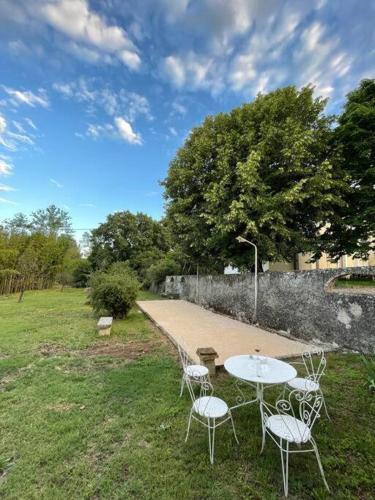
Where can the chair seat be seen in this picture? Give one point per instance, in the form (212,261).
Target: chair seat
(210,407)
(196,371)
(289,428)
(304,384)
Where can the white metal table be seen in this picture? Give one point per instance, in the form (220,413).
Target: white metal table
(258,372)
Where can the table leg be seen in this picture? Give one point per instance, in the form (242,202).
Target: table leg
(241,398)
(260,389)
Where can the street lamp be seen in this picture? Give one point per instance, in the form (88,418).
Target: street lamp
(240,239)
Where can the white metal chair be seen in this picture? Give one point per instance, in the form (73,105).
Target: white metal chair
(209,411)
(196,373)
(293,428)
(315,369)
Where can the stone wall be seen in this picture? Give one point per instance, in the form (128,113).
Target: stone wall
(299,303)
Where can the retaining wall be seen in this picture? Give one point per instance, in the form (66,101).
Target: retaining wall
(303,304)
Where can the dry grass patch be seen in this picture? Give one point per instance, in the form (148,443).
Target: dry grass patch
(129,351)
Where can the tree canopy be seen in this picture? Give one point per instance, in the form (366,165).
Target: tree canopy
(352,229)
(125,237)
(265,171)
(50,221)
(38,247)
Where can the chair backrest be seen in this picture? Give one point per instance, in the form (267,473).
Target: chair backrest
(205,387)
(301,405)
(185,361)
(315,364)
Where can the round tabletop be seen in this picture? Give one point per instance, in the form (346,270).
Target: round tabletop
(271,370)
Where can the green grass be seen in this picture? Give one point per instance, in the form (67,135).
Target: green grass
(352,283)
(75,424)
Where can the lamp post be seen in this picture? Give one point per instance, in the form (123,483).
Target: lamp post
(240,239)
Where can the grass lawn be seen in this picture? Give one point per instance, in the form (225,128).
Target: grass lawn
(89,417)
(354,283)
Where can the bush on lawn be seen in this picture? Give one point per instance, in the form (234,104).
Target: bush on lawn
(121,269)
(113,294)
(157,272)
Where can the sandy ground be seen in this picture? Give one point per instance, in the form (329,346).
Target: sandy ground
(191,326)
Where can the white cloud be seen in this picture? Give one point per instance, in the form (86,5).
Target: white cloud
(179,108)
(173,131)
(312,36)
(95,131)
(3,124)
(128,104)
(193,71)
(15,137)
(18,126)
(5,188)
(27,97)
(56,183)
(6,166)
(243,71)
(30,123)
(6,201)
(320,61)
(9,139)
(126,131)
(74,19)
(130,58)
(175,70)
(87,54)
(10,146)
(266,45)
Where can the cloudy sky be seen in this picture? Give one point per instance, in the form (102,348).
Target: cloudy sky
(97,95)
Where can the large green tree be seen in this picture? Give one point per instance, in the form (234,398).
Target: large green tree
(135,238)
(352,229)
(264,171)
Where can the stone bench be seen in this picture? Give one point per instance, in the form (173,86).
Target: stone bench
(104,325)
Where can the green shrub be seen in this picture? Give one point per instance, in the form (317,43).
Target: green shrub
(120,269)
(113,295)
(158,271)
(369,362)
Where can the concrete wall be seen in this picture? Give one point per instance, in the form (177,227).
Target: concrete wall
(301,303)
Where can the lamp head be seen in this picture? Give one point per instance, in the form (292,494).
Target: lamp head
(240,239)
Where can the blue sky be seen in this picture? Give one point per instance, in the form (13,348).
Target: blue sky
(96,96)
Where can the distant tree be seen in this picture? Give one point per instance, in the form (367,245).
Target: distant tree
(352,229)
(159,270)
(263,170)
(127,237)
(52,220)
(81,273)
(18,224)
(38,248)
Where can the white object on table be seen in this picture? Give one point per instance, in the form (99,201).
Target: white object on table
(258,371)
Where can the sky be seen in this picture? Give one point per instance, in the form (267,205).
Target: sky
(96,96)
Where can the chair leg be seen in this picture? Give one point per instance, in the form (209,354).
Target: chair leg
(182,384)
(320,465)
(189,424)
(209,437)
(213,442)
(284,466)
(263,437)
(234,429)
(325,406)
